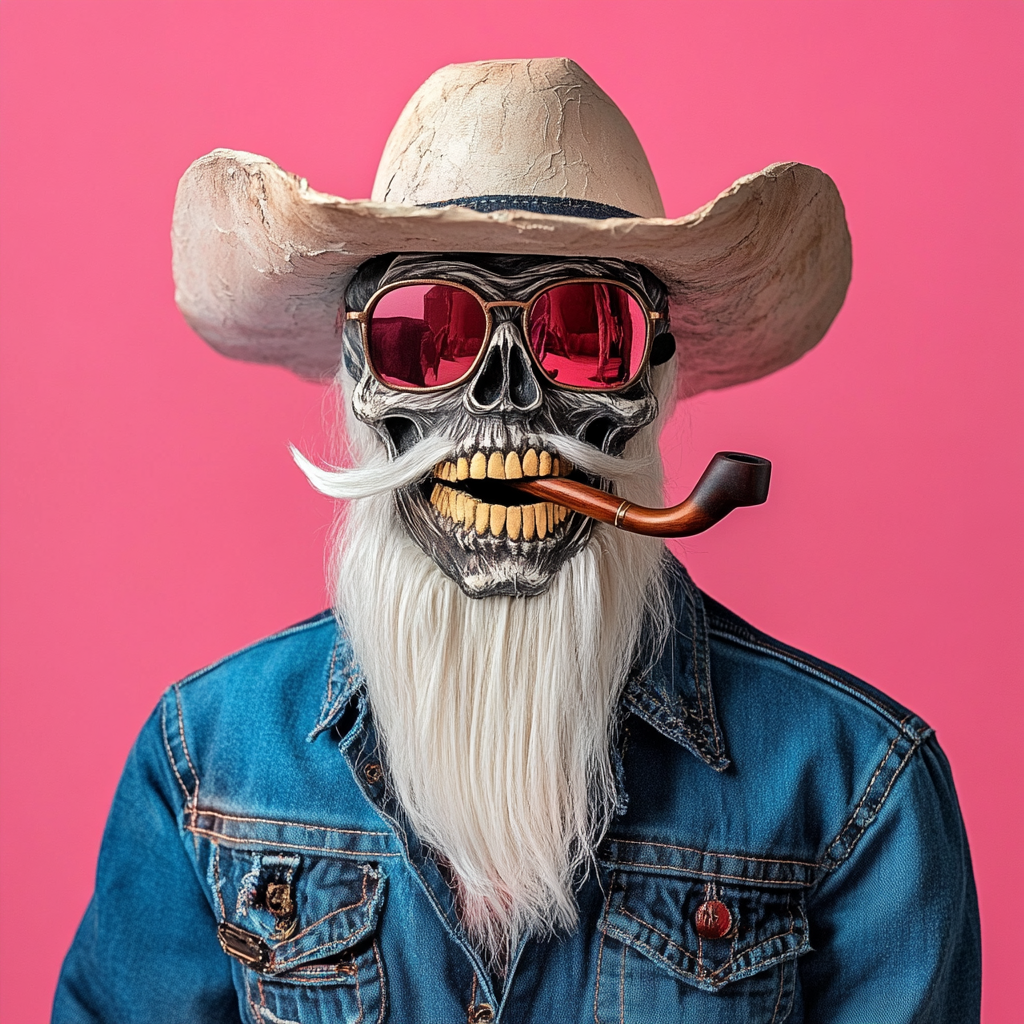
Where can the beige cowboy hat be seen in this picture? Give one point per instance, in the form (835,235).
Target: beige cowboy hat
(511,156)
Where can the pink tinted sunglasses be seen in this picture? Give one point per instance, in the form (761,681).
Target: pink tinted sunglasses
(584,334)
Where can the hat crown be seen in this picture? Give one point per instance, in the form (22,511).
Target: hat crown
(539,128)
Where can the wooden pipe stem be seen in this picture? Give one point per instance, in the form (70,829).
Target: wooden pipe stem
(731,480)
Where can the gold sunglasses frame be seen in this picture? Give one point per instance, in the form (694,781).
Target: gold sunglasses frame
(363,318)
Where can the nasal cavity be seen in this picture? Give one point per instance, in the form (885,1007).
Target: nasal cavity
(487,385)
(523,391)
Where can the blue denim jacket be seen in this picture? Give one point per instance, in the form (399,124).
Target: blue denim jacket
(255,867)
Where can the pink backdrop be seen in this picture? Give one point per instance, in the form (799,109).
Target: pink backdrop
(153,520)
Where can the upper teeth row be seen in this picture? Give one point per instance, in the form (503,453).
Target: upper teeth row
(502,466)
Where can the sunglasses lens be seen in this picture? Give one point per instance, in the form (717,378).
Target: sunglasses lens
(591,335)
(425,335)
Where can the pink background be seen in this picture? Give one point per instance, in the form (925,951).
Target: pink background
(152,519)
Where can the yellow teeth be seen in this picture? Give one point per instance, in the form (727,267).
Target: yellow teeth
(503,466)
(514,521)
(483,518)
(530,522)
(499,513)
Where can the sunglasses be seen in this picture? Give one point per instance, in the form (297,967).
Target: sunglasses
(584,334)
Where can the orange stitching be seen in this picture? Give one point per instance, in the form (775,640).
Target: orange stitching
(756,643)
(309,928)
(184,744)
(242,841)
(689,954)
(778,998)
(184,747)
(658,956)
(359,999)
(878,806)
(782,973)
(782,958)
(865,795)
(358,933)
(709,853)
(711,874)
(892,781)
(256,1015)
(297,824)
(170,756)
(600,948)
(300,627)
(380,981)
(872,780)
(350,906)
(622,985)
(246,976)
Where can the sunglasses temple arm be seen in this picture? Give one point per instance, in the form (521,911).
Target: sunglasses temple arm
(731,480)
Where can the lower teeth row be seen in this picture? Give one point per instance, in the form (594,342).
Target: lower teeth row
(538,519)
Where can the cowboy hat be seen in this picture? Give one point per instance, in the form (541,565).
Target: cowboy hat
(513,156)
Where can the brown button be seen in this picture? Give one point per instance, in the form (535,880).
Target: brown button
(481,1014)
(374,773)
(713,919)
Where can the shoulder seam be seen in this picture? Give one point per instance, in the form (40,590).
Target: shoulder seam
(759,643)
(176,750)
(895,759)
(300,627)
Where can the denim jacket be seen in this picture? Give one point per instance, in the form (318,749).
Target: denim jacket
(256,868)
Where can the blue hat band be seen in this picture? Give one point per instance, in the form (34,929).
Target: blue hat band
(560,205)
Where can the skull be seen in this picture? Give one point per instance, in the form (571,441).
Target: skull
(486,536)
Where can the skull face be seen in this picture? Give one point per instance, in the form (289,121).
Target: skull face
(486,536)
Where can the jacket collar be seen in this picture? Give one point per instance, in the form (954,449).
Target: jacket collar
(674,696)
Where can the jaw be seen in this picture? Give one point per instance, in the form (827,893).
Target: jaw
(487,537)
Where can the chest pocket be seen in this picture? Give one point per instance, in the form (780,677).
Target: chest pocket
(702,936)
(302,932)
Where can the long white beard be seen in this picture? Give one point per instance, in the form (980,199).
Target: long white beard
(497,714)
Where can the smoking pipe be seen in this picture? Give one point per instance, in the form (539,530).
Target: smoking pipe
(732,479)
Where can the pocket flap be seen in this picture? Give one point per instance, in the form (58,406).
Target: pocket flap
(708,929)
(282,910)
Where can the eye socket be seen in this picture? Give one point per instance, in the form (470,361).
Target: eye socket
(589,334)
(425,335)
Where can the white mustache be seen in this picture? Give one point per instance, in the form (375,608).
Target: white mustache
(378,475)
(596,462)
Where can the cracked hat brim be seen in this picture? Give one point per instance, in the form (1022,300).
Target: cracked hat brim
(261,262)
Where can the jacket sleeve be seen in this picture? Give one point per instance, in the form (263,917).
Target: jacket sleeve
(894,923)
(146,950)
